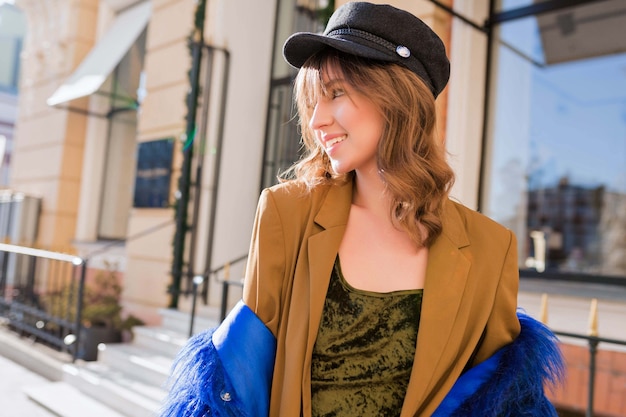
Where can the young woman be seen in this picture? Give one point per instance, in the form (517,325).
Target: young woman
(374,294)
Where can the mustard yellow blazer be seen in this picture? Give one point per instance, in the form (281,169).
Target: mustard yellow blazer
(468,307)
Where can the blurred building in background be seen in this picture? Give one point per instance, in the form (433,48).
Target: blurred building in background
(533,118)
(12,31)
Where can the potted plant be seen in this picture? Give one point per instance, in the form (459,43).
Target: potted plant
(102,313)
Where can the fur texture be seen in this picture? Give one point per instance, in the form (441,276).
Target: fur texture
(532,363)
(198,381)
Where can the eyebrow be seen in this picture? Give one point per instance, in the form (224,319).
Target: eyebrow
(334,81)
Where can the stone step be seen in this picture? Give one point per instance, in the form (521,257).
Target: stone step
(159,339)
(140,362)
(115,389)
(178,321)
(64,400)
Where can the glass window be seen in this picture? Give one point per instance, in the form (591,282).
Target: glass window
(282,143)
(556,166)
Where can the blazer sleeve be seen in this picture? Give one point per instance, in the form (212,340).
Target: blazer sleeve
(266,267)
(503,325)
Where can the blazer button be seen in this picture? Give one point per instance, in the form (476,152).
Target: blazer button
(225,396)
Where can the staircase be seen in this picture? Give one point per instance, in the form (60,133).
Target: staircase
(128,379)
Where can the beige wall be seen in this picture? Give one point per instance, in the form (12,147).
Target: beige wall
(59,153)
(233,27)
(162,116)
(229,25)
(47,157)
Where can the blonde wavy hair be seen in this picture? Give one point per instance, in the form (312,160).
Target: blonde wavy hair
(411,160)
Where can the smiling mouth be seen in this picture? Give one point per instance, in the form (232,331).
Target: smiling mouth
(335,141)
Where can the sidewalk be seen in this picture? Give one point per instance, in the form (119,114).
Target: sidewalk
(569,308)
(13,380)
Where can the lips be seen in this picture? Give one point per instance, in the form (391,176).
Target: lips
(330,142)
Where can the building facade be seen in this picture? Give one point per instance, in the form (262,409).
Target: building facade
(103,94)
(103,133)
(103,128)
(103,124)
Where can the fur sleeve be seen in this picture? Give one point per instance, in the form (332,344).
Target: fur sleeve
(511,383)
(224,372)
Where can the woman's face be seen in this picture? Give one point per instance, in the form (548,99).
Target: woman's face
(347,125)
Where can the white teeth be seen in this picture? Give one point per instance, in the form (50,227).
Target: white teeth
(336,140)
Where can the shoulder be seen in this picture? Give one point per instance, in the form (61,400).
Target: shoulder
(291,190)
(290,203)
(297,189)
(472,217)
(294,202)
(297,195)
(462,222)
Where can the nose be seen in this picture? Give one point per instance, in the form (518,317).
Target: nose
(321,115)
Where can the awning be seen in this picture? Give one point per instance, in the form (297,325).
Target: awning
(588,31)
(105,56)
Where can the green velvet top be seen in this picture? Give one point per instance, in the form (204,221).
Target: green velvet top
(364,351)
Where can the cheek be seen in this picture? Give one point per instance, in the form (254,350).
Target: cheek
(318,139)
(346,113)
(376,127)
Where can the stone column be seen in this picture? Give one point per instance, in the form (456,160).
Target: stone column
(48,153)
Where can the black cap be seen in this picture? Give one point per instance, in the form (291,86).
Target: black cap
(381,32)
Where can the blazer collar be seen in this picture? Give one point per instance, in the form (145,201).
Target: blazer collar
(453,226)
(335,207)
(323,246)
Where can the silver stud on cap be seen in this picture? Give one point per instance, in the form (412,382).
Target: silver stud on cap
(403,51)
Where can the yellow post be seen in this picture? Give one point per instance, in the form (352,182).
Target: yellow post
(227,272)
(593,318)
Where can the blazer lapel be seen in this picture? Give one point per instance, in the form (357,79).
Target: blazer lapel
(446,277)
(332,217)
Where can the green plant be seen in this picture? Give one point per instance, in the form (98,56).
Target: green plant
(102,302)
(101,305)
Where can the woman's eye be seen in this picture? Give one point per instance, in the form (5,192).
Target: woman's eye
(338,93)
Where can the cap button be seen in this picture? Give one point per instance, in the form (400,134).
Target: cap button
(403,51)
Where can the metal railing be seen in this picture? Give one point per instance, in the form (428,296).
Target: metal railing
(593,342)
(225,280)
(41,292)
(592,337)
(39,295)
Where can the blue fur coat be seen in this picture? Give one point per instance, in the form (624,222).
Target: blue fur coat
(213,374)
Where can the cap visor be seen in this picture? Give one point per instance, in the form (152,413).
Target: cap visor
(301,46)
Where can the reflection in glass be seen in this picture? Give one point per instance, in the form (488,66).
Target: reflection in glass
(557,166)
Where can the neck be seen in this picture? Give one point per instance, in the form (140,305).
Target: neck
(370,193)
